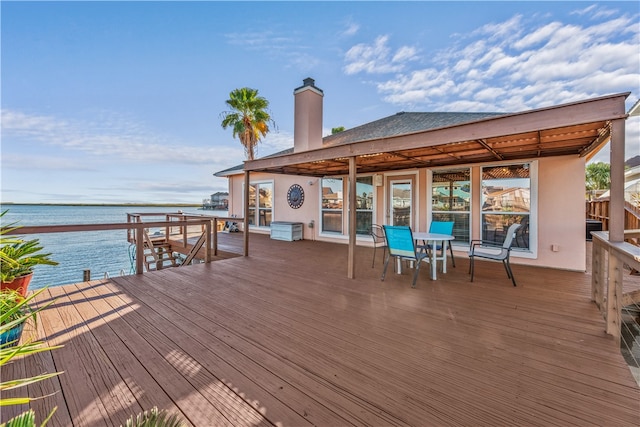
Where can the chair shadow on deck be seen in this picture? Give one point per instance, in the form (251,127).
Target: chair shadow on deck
(267,339)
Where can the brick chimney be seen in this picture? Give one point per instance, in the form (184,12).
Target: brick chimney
(307,127)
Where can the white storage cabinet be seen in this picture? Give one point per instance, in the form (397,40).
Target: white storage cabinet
(288,231)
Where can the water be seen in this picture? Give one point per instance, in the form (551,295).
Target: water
(98,251)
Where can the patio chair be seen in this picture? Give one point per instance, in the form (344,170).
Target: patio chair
(401,246)
(440,227)
(377,234)
(480,249)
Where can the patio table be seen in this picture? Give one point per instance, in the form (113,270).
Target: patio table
(434,239)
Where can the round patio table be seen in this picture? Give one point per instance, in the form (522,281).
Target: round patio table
(434,239)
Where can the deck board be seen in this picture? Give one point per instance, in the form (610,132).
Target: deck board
(282,337)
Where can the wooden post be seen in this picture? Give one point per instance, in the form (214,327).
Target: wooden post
(597,272)
(352,218)
(207,244)
(215,236)
(616,204)
(139,248)
(246,214)
(614,296)
(184,231)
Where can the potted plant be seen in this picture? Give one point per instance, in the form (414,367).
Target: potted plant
(18,257)
(15,311)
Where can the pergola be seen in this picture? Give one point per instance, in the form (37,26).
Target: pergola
(575,129)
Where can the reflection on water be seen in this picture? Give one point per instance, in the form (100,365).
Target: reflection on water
(99,251)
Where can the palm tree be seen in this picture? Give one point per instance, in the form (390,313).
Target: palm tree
(598,176)
(248,117)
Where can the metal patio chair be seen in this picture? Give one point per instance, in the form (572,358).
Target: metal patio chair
(401,246)
(377,234)
(480,249)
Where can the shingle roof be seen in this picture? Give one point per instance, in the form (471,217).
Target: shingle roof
(397,124)
(401,124)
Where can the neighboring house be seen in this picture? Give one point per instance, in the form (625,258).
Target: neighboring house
(483,171)
(217,201)
(631,187)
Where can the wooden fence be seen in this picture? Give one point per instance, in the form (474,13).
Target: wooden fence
(599,210)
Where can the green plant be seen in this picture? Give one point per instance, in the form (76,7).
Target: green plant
(17,256)
(248,117)
(26,419)
(7,240)
(154,418)
(15,310)
(24,256)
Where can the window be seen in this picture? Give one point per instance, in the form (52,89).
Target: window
(451,200)
(364,204)
(401,195)
(332,203)
(262,212)
(506,199)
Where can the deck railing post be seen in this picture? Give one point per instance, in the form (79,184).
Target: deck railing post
(207,245)
(245,226)
(597,273)
(139,248)
(614,296)
(215,236)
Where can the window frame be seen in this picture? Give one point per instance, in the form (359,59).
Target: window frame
(532,251)
(256,217)
(469,212)
(344,212)
(341,210)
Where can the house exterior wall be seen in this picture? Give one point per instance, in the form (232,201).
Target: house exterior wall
(561,214)
(308,212)
(559,209)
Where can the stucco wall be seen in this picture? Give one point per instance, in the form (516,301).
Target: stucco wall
(560,210)
(561,213)
(281,209)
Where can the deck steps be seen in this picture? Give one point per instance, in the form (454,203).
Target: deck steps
(159,255)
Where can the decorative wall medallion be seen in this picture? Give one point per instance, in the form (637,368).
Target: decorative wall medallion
(295,196)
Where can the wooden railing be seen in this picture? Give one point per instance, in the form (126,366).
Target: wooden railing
(135,231)
(608,273)
(176,224)
(599,210)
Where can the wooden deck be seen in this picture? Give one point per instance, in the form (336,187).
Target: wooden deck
(284,338)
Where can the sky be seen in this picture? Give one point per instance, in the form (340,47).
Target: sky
(121,102)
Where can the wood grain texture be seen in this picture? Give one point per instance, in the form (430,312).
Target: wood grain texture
(282,337)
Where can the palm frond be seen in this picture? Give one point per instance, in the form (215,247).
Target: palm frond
(154,418)
(28,419)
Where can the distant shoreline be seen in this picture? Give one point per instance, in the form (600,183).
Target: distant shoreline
(169,205)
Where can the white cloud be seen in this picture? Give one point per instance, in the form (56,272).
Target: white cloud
(275,142)
(377,58)
(515,65)
(288,49)
(351,29)
(39,162)
(538,36)
(259,40)
(405,53)
(112,137)
(523,62)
